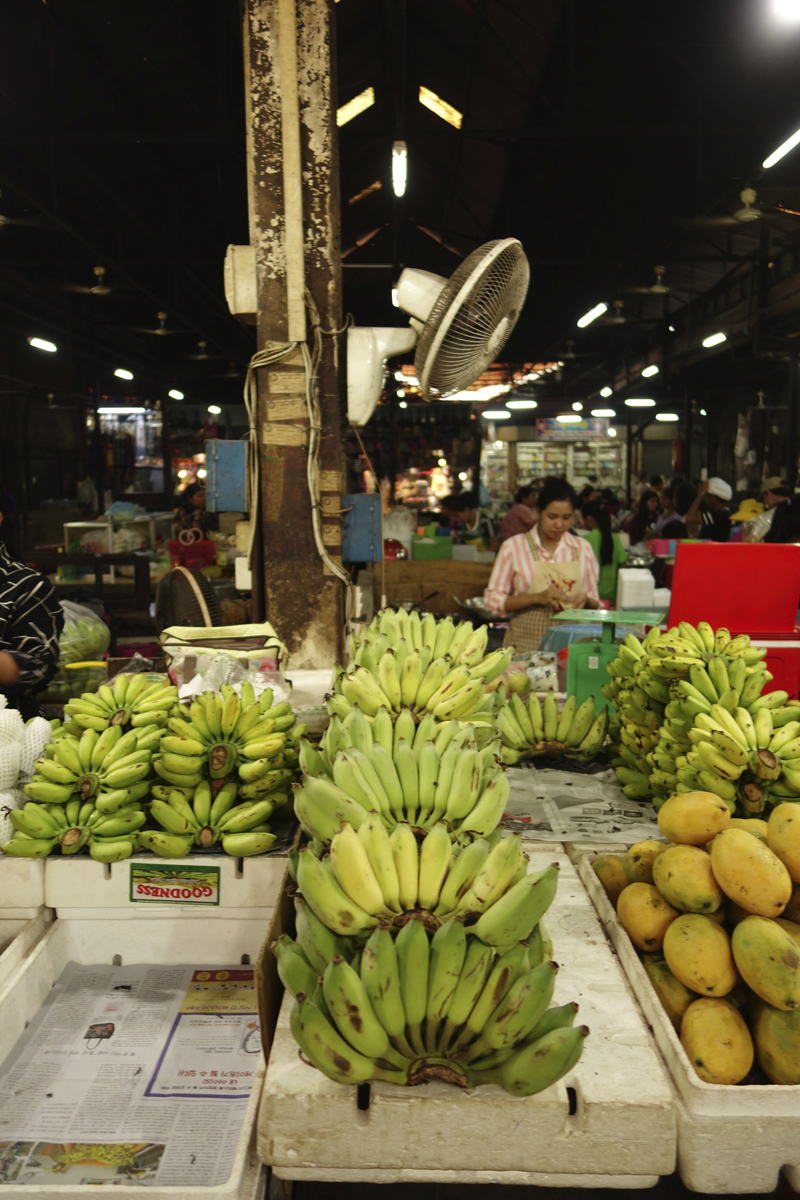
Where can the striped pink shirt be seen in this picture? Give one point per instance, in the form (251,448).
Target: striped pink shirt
(514,568)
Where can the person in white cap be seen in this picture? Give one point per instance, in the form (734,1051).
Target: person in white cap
(709,517)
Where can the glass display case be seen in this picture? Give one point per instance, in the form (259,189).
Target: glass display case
(494,470)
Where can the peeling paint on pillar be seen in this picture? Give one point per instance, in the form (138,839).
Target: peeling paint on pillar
(303,602)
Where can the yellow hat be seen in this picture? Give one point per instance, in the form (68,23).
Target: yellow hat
(748,509)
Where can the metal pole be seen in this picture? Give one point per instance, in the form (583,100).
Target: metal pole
(791,433)
(293,152)
(687,424)
(477,445)
(628,453)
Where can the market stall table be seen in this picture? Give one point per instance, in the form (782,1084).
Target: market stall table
(411,582)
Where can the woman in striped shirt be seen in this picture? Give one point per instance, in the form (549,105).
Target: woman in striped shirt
(536,574)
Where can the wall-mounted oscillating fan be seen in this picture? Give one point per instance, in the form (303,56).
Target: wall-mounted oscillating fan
(458,325)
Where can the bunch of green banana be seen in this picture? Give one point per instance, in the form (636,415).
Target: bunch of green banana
(411,1008)
(104,763)
(401,661)
(242,828)
(373,878)
(531,729)
(131,701)
(222,732)
(414,782)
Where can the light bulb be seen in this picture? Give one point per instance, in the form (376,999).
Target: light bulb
(399,167)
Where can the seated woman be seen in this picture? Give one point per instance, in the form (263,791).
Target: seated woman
(536,574)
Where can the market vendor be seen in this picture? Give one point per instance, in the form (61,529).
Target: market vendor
(191,512)
(543,571)
(31,620)
(476,523)
(709,517)
(522,515)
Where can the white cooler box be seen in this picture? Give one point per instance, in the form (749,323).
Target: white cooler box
(17,939)
(193,942)
(730,1139)
(609,1123)
(145,886)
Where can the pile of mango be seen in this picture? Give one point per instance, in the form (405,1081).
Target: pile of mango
(715,917)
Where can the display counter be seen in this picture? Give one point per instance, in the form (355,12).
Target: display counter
(413,581)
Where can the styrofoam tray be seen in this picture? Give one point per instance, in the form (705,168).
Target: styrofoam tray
(621,1132)
(191,942)
(17,939)
(21,887)
(730,1139)
(79,888)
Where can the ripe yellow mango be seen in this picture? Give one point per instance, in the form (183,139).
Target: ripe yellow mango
(783,837)
(776,1034)
(675,997)
(753,825)
(790,926)
(717,1041)
(638,862)
(645,915)
(768,959)
(684,877)
(698,952)
(693,818)
(608,869)
(750,874)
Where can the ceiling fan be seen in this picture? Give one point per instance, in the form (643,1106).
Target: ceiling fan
(620,317)
(98,288)
(202,353)
(232,372)
(657,288)
(746,215)
(162,330)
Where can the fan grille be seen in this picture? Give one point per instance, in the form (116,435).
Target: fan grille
(176,600)
(481,324)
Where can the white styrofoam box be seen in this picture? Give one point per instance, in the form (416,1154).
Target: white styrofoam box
(195,943)
(17,939)
(80,888)
(635,587)
(662,597)
(731,1139)
(243,576)
(621,1133)
(21,887)
(465,553)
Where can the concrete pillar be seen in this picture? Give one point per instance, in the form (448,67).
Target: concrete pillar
(290,177)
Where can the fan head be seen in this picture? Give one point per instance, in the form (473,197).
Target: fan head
(185,597)
(471,318)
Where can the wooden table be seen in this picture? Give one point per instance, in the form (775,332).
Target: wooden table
(413,581)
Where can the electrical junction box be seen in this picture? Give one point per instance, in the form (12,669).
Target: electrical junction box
(241,283)
(226,476)
(361,528)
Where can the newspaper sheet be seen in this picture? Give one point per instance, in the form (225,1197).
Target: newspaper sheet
(134,1074)
(566,806)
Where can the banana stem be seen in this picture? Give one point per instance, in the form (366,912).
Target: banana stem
(447,1033)
(398,1077)
(430,1035)
(396,1059)
(415,1038)
(403,1047)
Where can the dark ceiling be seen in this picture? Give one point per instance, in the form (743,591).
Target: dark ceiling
(589,130)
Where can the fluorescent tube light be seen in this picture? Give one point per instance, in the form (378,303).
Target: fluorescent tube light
(606,392)
(568,418)
(521,404)
(592,315)
(715,339)
(115,410)
(667,417)
(577,406)
(42,344)
(399,167)
(121,373)
(650,371)
(214,408)
(495,414)
(640,402)
(603,412)
(174,394)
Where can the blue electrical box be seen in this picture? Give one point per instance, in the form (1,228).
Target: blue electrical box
(361,528)
(226,476)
